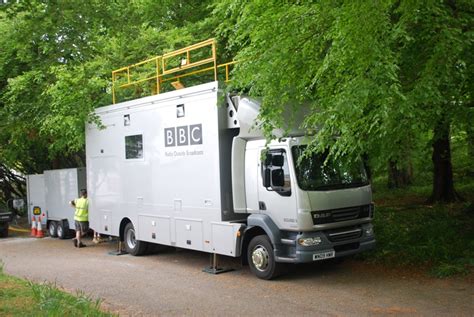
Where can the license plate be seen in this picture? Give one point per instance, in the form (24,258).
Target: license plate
(324,255)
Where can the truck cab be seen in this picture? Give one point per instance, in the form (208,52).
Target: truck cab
(309,207)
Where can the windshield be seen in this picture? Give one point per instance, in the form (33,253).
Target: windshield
(312,174)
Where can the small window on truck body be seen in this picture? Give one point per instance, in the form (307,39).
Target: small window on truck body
(134,147)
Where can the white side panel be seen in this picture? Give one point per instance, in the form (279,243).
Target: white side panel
(224,237)
(155,229)
(252,178)
(61,186)
(189,233)
(238,175)
(171,192)
(104,183)
(35,192)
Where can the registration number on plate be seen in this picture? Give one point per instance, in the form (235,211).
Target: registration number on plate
(324,255)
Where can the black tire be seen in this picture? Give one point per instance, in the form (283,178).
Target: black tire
(132,245)
(261,258)
(4,230)
(61,230)
(53,229)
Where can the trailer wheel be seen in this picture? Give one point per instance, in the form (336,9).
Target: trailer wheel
(53,229)
(132,245)
(61,230)
(261,259)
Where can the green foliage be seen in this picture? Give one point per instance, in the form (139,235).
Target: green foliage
(25,298)
(56,60)
(380,74)
(421,235)
(54,302)
(438,237)
(377,74)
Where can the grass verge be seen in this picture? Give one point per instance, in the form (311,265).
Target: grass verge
(24,298)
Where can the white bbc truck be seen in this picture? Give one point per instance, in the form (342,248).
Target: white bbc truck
(189,168)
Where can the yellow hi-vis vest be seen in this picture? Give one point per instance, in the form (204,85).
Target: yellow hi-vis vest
(82,209)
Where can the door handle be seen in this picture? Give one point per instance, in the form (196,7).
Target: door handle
(262,206)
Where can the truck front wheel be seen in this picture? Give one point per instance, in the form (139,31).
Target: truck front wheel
(132,245)
(261,258)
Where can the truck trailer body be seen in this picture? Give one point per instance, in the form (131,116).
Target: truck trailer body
(189,169)
(49,196)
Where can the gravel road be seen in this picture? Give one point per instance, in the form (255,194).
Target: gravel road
(172,283)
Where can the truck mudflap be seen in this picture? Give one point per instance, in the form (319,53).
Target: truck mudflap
(322,245)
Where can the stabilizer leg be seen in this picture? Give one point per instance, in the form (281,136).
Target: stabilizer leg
(214,267)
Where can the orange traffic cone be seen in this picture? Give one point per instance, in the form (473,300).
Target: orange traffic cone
(39,230)
(33,226)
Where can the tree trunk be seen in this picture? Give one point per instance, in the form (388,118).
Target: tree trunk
(399,177)
(470,136)
(443,184)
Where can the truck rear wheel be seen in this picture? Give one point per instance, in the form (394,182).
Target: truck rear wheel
(261,258)
(61,230)
(132,245)
(53,229)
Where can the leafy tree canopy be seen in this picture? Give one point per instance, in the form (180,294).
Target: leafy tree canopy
(384,76)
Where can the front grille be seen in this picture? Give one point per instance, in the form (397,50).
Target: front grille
(344,234)
(345,214)
(338,215)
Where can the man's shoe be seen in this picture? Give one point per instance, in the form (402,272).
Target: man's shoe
(81,245)
(74,241)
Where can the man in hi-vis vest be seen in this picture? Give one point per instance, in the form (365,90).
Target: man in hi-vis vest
(81,218)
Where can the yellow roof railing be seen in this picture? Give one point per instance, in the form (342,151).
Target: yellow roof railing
(165,71)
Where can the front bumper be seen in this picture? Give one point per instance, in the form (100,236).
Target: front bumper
(289,251)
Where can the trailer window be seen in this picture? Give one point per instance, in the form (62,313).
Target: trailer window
(134,146)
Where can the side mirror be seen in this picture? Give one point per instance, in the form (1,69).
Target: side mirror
(278,160)
(278,178)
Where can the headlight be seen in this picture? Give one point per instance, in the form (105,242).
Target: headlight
(307,242)
(369,231)
(372,210)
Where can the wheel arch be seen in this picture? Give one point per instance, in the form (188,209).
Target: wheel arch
(259,224)
(123,224)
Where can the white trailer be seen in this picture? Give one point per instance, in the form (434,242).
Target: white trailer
(188,169)
(53,191)
(35,195)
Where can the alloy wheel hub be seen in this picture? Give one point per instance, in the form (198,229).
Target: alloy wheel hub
(260,258)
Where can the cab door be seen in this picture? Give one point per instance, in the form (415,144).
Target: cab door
(275,188)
